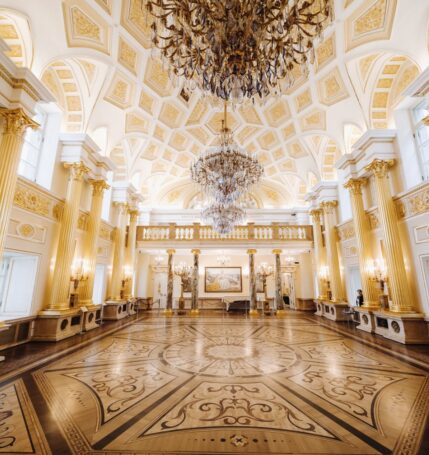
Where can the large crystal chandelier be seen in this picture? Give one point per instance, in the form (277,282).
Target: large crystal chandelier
(226,172)
(223,217)
(237,49)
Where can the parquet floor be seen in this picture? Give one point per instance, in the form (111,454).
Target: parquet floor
(213,385)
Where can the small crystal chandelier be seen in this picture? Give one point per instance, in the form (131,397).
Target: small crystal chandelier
(226,172)
(223,217)
(237,49)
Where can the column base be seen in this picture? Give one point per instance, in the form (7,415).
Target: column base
(56,325)
(319,307)
(114,310)
(335,311)
(168,312)
(366,318)
(280,313)
(407,328)
(253,313)
(194,312)
(91,317)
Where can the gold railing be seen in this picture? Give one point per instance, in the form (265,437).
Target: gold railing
(206,233)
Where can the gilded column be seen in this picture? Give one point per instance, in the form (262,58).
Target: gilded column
(59,296)
(319,252)
(131,252)
(280,308)
(170,283)
(16,121)
(252,282)
(91,240)
(328,208)
(397,277)
(363,240)
(119,253)
(195,282)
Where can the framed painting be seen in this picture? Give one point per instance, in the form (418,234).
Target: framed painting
(223,279)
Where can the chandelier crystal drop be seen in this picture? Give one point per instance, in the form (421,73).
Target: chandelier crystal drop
(236,49)
(227,171)
(223,217)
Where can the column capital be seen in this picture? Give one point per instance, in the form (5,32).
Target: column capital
(98,187)
(277,251)
(134,213)
(328,206)
(122,207)
(380,168)
(355,185)
(171,251)
(251,251)
(77,170)
(17,121)
(196,251)
(315,214)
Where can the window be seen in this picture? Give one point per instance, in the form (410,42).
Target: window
(32,148)
(421,134)
(107,198)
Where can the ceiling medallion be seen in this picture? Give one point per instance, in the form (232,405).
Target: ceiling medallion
(237,49)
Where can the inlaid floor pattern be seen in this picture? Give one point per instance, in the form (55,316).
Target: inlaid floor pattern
(218,385)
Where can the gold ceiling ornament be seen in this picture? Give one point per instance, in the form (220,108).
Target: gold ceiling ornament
(237,49)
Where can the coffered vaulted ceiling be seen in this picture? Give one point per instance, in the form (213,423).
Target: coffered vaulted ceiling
(95,58)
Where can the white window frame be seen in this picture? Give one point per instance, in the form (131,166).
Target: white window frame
(422,144)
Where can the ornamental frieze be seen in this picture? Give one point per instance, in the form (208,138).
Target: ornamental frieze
(413,204)
(31,201)
(347,231)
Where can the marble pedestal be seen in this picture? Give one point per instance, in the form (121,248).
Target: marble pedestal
(113,310)
(90,317)
(335,311)
(407,328)
(3,328)
(303,305)
(319,307)
(366,319)
(132,307)
(52,325)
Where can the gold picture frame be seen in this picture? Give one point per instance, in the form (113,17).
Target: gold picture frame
(223,280)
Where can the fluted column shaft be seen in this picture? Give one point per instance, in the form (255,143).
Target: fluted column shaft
(319,251)
(252,279)
(195,280)
(170,280)
(328,208)
(278,280)
(16,122)
(119,253)
(363,240)
(59,296)
(91,240)
(401,301)
(131,251)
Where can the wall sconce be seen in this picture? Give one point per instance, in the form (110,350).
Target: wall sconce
(79,272)
(324,273)
(158,260)
(223,259)
(378,272)
(127,275)
(264,271)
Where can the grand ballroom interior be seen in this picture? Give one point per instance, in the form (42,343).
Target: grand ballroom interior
(214,227)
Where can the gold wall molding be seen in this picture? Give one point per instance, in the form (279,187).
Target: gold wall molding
(413,203)
(32,201)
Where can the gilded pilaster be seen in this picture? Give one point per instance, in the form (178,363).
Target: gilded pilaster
(363,240)
(119,253)
(195,282)
(91,240)
(170,282)
(278,281)
(252,281)
(59,296)
(319,251)
(131,251)
(16,121)
(397,277)
(328,208)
